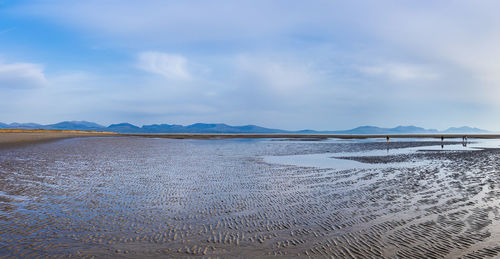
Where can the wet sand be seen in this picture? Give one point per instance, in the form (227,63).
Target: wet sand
(137,197)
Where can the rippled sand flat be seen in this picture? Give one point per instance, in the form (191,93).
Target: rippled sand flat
(145,197)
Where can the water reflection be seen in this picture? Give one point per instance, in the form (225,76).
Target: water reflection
(328,160)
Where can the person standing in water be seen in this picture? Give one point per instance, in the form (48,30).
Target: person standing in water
(387,139)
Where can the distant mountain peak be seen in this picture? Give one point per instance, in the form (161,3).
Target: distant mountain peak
(123,125)
(75,125)
(465,129)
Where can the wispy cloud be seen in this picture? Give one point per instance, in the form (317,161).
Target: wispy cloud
(21,75)
(399,71)
(171,66)
(283,76)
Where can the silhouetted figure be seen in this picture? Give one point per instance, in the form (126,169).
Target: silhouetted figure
(387,139)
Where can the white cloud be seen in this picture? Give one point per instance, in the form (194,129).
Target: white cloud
(399,72)
(171,66)
(21,75)
(285,76)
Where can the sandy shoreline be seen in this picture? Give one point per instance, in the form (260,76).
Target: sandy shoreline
(13,138)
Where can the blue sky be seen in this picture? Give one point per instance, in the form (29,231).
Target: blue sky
(282,64)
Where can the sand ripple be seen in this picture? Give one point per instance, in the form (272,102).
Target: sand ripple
(134,197)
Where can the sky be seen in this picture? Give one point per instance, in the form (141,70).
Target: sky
(289,64)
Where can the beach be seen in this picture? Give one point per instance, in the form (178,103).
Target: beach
(131,197)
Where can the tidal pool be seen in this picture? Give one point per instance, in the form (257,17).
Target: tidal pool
(142,197)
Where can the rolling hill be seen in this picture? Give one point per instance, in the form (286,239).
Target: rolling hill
(224,128)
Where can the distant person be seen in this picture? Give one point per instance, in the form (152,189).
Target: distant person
(387,139)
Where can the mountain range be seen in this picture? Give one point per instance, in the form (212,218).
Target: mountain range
(224,128)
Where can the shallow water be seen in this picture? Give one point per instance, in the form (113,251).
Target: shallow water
(335,161)
(141,197)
